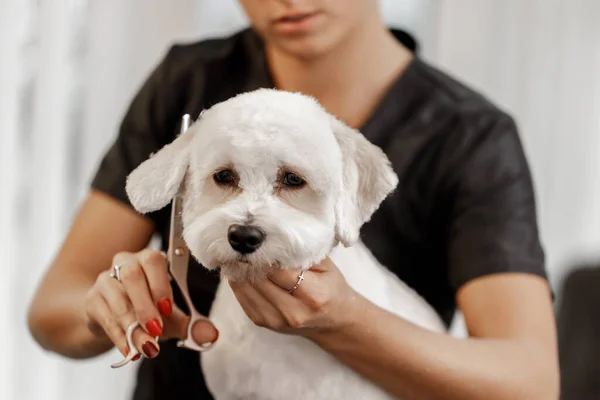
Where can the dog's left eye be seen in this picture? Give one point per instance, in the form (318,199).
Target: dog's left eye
(223,177)
(293,180)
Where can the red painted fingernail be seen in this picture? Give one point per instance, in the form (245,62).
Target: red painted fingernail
(165,308)
(154,328)
(136,358)
(126,351)
(149,350)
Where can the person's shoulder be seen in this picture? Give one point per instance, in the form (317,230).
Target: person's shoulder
(454,99)
(454,96)
(459,120)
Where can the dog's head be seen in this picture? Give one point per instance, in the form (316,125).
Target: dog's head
(268,179)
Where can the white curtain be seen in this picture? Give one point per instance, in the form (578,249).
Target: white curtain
(69,67)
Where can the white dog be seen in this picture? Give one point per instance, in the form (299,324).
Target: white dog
(269,179)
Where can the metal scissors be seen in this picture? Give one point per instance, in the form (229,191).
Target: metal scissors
(178,256)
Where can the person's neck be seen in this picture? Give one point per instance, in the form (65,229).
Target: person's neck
(351,79)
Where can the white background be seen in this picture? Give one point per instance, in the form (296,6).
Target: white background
(69,67)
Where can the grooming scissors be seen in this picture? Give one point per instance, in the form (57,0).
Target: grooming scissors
(178,256)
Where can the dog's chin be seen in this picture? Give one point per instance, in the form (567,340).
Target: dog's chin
(243,269)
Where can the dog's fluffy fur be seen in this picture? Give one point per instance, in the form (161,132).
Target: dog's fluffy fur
(260,136)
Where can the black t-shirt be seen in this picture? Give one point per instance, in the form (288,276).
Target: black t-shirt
(464,206)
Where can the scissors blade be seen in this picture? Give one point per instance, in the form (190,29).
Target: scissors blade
(178,256)
(176,228)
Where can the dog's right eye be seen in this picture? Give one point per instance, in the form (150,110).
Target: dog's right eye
(223,177)
(293,180)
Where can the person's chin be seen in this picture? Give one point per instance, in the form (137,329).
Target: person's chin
(304,47)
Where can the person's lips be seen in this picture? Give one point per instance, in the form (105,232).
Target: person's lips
(296,22)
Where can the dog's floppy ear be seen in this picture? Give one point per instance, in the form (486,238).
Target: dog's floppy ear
(368,178)
(154,183)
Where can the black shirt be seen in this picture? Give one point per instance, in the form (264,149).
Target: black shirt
(464,206)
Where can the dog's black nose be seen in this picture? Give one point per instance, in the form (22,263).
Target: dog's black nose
(245,239)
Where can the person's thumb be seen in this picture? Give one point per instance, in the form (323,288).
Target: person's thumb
(176,326)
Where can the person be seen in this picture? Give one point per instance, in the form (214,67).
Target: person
(461,228)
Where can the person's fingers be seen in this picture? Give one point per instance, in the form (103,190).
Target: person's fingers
(93,315)
(204,331)
(324,266)
(311,293)
(260,310)
(101,318)
(154,265)
(133,280)
(176,326)
(124,315)
(248,304)
(276,295)
(286,279)
(295,311)
(144,294)
(145,344)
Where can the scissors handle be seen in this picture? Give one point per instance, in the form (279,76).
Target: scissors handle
(178,259)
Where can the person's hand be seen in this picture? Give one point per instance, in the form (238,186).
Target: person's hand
(144,294)
(323,302)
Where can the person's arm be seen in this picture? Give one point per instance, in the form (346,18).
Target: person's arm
(102,228)
(496,266)
(78,310)
(511,353)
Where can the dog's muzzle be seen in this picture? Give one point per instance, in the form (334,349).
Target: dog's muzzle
(245,239)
